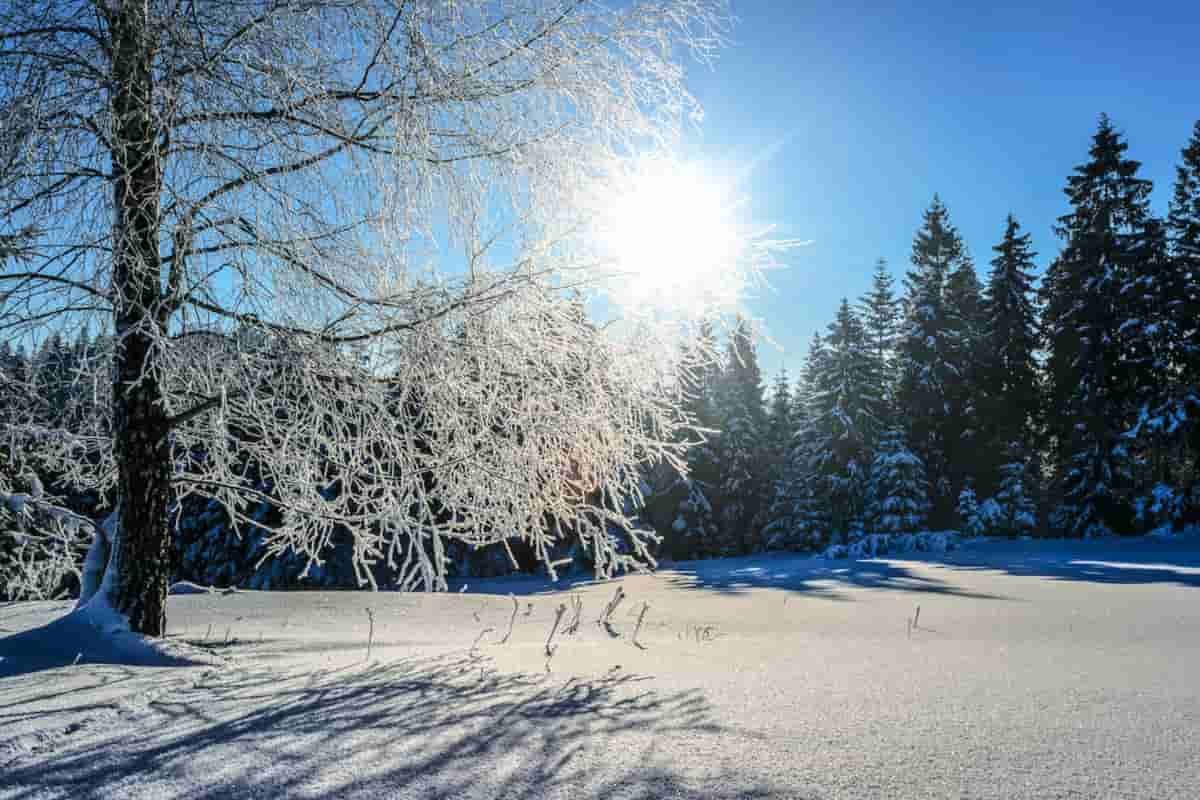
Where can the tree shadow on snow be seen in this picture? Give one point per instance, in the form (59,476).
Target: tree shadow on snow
(1109,561)
(816,577)
(444,727)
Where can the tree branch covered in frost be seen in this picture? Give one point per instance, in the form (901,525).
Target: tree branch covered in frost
(347,267)
(521,420)
(41,544)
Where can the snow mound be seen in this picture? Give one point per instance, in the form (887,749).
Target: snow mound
(92,634)
(1168,533)
(187,587)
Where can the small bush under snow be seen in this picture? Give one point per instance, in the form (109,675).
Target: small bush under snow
(877,544)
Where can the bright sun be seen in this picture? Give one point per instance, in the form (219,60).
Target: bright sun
(671,233)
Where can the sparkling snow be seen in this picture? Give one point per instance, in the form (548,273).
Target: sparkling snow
(1036,669)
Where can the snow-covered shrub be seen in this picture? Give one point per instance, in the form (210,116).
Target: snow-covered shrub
(1163,506)
(1017,513)
(873,545)
(991,514)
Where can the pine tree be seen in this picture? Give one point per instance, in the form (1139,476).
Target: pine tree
(1010,385)
(899,489)
(1090,390)
(1182,408)
(880,313)
(970,518)
(742,485)
(965,440)
(691,523)
(844,419)
(926,352)
(1152,334)
(797,519)
(1018,511)
(779,429)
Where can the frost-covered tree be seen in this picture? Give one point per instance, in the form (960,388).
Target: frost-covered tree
(899,489)
(41,543)
(248,199)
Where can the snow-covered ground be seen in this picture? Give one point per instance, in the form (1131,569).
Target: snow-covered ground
(1035,670)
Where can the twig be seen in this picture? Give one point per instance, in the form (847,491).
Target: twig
(917,618)
(511,620)
(638,629)
(558,615)
(573,626)
(475,644)
(370,631)
(603,621)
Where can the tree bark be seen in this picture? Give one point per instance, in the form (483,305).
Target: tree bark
(140,420)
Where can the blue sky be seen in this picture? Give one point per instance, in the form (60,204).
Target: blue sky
(857,113)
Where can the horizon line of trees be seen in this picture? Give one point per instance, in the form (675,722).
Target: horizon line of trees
(993,405)
(989,406)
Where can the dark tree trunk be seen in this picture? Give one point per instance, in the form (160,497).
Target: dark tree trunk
(140,421)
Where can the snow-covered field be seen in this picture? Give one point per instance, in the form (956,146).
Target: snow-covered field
(1035,670)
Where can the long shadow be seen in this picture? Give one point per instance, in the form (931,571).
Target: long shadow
(1107,561)
(444,727)
(817,577)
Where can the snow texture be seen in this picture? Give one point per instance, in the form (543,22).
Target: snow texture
(1036,669)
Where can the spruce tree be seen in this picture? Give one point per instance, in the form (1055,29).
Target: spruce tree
(1010,385)
(899,490)
(970,518)
(779,429)
(797,519)
(880,313)
(844,419)
(965,439)
(741,492)
(1151,335)
(1183,234)
(1018,511)
(1090,389)
(692,523)
(927,354)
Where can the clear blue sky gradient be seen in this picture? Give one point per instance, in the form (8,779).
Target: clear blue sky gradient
(855,114)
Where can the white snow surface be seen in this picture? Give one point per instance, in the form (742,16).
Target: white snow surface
(1037,669)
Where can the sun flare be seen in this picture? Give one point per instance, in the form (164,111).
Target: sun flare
(671,234)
